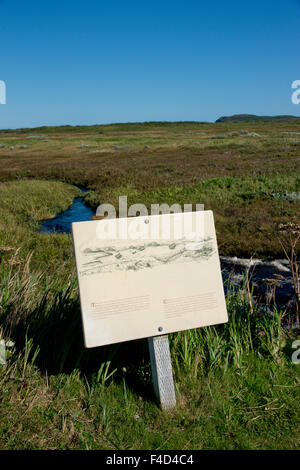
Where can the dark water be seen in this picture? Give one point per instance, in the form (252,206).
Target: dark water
(77,212)
(260,273)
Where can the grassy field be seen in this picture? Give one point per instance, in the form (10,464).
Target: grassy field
(236,385)
(248,173)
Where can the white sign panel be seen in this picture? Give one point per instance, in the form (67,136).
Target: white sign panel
(145,276)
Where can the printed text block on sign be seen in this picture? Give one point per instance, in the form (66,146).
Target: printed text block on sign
(145,276)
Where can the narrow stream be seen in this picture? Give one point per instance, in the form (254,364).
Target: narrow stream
(77,212)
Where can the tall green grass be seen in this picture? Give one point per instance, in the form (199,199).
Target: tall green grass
(48,310)
(233,381)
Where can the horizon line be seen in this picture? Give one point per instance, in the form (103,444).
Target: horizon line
(154,122)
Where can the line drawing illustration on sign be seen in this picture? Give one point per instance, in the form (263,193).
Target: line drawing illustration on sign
(142,256)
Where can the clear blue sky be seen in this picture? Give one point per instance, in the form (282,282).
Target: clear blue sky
(86,62)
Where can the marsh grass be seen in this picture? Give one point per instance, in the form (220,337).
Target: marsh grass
(181,162)
(233,391)
(236,377)
(245,210)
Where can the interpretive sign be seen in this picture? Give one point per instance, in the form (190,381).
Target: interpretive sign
(146,276)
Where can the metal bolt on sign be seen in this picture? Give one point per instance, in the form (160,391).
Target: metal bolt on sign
(162,371)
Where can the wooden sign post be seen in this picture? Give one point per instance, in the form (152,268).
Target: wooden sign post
(145,277)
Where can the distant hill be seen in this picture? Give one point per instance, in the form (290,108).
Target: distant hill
(253,117)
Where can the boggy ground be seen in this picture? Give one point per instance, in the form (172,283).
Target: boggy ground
(247,173)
